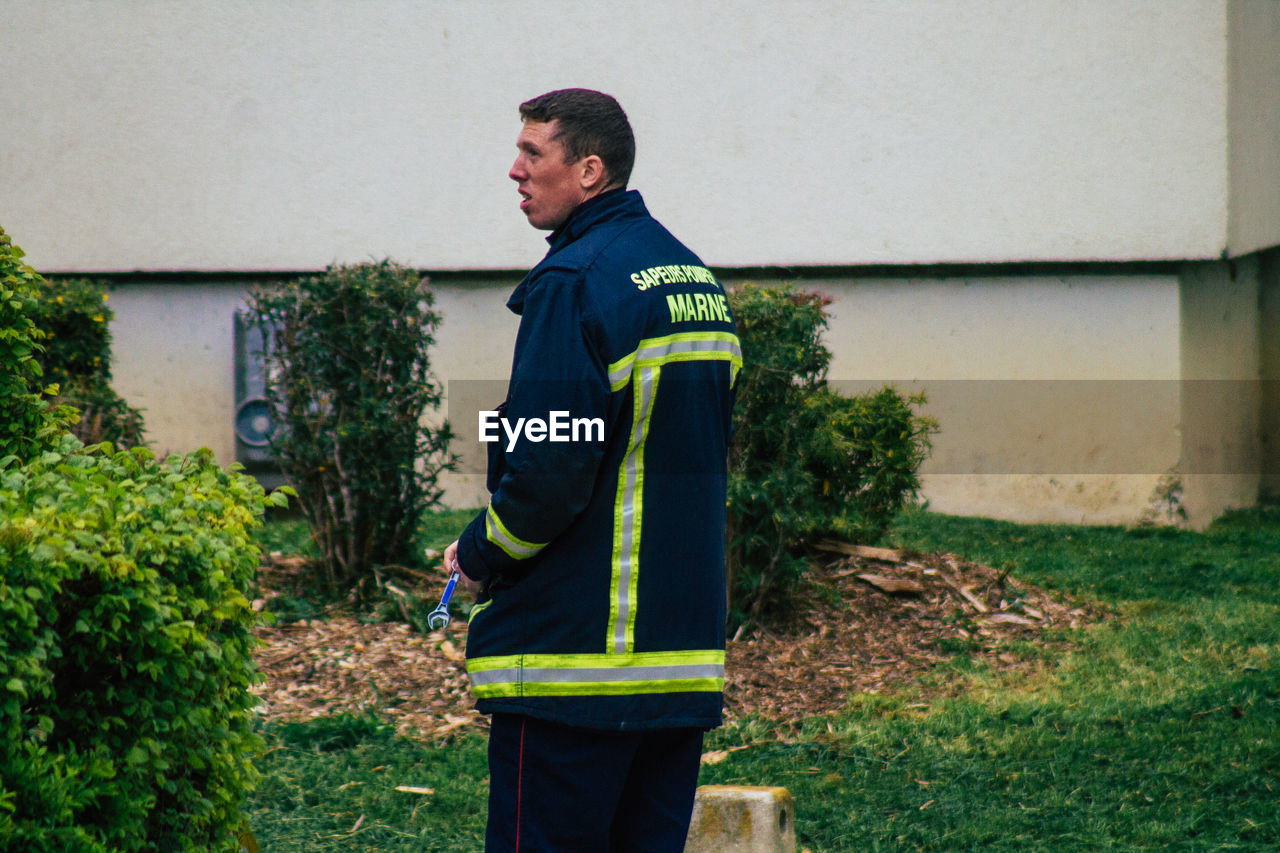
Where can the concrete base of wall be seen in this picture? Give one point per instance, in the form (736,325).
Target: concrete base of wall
(1269,355)
(1068,395)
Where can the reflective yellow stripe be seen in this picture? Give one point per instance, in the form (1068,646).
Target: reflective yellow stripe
(597,675)
(515,547)
(475,610)
(584,660)
(646,363)
(628,514)
(603,688)
(682,346)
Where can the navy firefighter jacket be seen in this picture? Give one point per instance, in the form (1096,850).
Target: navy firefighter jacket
(602,549)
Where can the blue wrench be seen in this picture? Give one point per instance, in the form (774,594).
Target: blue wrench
(439,618)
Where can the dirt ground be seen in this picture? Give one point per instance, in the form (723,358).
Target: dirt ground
(878,619)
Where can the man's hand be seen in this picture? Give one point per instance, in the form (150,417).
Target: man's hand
(451,565)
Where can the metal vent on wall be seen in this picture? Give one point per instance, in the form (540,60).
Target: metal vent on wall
(252,419)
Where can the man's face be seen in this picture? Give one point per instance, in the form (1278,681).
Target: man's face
(549,187)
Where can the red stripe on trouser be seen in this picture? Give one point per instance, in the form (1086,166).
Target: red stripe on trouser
(519,783)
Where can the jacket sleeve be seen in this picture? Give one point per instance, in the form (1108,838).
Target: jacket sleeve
(548,474)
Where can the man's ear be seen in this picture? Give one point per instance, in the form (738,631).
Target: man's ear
(592,176)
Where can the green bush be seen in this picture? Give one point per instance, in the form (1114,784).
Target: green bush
(73,314)
(29,424)
(125,641)
(806,463)
(349,382)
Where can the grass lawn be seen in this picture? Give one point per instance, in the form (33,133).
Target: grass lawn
(1159,730)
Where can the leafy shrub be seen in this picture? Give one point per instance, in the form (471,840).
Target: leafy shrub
(104,414)
(125,640)
(349,382)
(77,356)
(806,463)
(29,424)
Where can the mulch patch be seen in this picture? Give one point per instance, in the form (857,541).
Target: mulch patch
(878,619)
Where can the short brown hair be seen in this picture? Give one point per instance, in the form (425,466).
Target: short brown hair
(590,123)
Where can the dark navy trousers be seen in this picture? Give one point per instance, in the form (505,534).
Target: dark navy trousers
(561,789)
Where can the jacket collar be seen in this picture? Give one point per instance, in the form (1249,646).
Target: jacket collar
(618,202)
(608,205)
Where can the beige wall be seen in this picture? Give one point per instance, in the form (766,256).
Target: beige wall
(1061,397)
(1221,399)
(474,359)
(1057,395)
(172,357)
(173,349)
(289,134)
(275,135)
(1269,346)
(1254,120)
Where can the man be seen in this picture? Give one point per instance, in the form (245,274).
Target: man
(597,642)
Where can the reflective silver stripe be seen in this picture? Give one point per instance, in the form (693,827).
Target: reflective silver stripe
(662,349)
(506,675)
(544,675)
(628,516)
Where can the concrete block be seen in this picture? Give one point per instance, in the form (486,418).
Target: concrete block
(742,819)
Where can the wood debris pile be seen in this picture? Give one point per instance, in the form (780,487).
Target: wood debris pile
(880,617)
(320,667)
(876,618)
